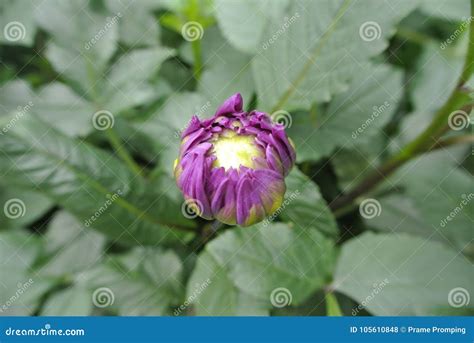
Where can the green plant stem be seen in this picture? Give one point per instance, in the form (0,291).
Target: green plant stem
(413,36)
(114,140)
(454,140)
(423,142)
(196,47)
(444,143)
(332,305)
(111,135)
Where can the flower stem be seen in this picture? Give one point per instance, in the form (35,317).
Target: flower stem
(196,47)
(443,143)
(332,305)
(423,142)
(114,140)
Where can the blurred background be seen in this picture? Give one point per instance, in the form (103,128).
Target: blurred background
(94,96)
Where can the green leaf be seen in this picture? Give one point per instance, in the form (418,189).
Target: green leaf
(31,206)
(352,117)
(226,73)
(143,282)
(354,164)
(66,241)
(91,184)
(304,205)
(443,198)
(73,301)
(449,10)
(214,293)
(252,263)
(55,103)
(315,47)
(83,41)
(166,125)
(437,74)
(22,288)
(137,25)
(18,25)
(256,14)
(401,274)
(125,85)
(64,110)
(14,98)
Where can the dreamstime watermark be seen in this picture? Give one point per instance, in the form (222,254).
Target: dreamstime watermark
(111,198)
(459,297)
(98,36)
(199,113)
(103,120)
(370,31)
(44,331)
(283,118)
(192,31)
(287,22)
(377,288)
(281,297)
(377,110)
(466,199)
(462,27)
(288,199)
(14,31)
(459,120)
(192,208)
(103,297)
(20,113)
(370,208)
(22,287)
(14,208)
(196,292)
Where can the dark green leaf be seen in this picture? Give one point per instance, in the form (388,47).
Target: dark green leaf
(260,263)
(401,275)
(89,183)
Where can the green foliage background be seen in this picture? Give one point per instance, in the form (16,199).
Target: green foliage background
(306,58)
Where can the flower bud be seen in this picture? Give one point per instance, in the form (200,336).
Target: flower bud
(232,166)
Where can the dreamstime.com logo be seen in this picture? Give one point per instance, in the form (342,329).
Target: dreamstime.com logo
(103,120)
(285,203)
(22,287)
(199,113)
(459,297)
(196,292)
(376,289)
(459,120)
(287,22)
(14,208)
(370,208)
(98,36)
(14,31)
(283,118)
(44,331)
(20,113)
(111,198)
(377,110)
(103,297)
(466,199)
(370,31)
(192,208)
(281,297)
(192,31)
(464,25)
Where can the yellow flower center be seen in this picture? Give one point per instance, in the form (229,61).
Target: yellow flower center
(232,150)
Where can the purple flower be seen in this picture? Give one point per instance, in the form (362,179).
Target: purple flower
(232,166)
